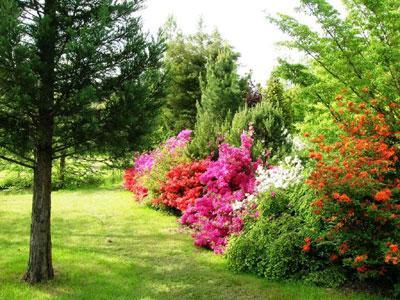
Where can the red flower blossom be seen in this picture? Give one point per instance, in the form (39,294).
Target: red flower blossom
(362,269)
(334,257)
(394,247)
(344,198)
(183,185)
(306,248)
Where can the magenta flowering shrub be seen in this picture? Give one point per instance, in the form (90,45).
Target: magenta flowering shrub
(222,185)
(228,180)
(145,161)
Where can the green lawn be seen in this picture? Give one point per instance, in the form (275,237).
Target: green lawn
(108,247)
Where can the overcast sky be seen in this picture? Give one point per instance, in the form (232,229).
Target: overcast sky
(240,22)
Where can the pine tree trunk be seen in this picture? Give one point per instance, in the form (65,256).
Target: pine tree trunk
(40,266)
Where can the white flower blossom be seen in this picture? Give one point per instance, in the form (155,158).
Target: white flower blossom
(298,144)
(282,176)
(237,205)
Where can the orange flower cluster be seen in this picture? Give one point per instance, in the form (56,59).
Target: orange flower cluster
(360,258)
(357,180)
(383,196)
(341,198)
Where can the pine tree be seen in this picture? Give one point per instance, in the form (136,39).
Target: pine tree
(268,122)
(76,77)
(185,62)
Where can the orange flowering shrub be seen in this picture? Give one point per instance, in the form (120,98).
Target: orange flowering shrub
(357,179)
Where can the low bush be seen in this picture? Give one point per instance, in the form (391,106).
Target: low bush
(331,277)
(15,179)
(271,247)
(271,244)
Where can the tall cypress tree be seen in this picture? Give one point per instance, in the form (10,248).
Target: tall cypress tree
(222,96)
(76,77)
(274,92)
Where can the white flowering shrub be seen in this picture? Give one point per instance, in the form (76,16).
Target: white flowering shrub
(297,143)
(282,176)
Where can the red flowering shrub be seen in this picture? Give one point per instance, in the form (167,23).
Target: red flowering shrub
(357,180)
(183,185)
(131,184)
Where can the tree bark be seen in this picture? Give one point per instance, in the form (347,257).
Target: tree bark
(40,266)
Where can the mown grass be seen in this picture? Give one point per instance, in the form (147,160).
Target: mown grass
(108,247)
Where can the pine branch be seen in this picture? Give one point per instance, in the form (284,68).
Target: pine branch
(17,162)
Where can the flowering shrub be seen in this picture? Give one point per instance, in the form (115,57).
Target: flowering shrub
(358,186)
(286,174)
(183,185)
(228,180)
(179,141)
(150,168)
(142,164)
(131,183)
(270,248)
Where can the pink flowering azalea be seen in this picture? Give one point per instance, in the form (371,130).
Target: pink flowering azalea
(144,162)
(227,180)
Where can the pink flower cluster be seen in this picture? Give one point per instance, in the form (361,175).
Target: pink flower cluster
(145,161)
(179,141)
(228,180)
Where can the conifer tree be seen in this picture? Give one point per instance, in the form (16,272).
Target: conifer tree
(270,119)
(76,77)
(275,93)
(185,62)
(222,96)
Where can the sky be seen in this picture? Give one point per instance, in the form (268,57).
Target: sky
(241,23)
